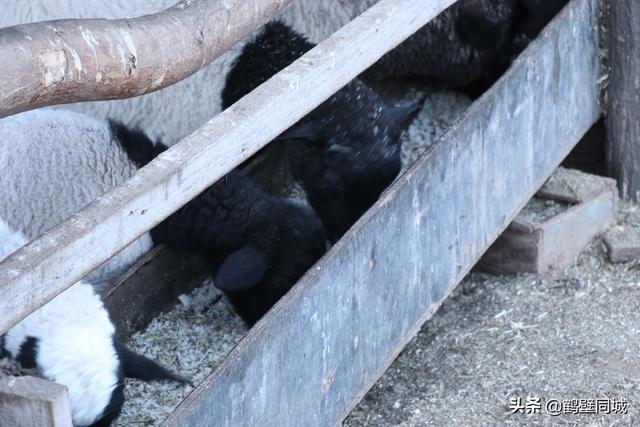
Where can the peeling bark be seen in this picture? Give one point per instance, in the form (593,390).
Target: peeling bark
(59,62)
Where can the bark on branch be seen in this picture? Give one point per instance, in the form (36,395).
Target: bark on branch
(73,60)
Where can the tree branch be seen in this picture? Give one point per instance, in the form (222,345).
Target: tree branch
(73,60)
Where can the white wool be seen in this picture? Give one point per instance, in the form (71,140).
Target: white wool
(10,241)
(176,111)
(75,346)
(319,19)
(16,12)
(55,162)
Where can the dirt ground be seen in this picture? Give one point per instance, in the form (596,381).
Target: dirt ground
(570,334)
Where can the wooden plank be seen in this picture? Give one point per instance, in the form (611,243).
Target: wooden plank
(563,238)
(48,265)
(515,251)
(623,96)
(56,62)
(573,186)
(527,246)
(33,402)
(152,286)
(623,243)
(316,353)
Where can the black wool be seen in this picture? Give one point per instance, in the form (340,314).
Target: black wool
(256,245)
(346,151)
(465,45)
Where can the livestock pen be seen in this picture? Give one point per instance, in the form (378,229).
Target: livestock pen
(316,353)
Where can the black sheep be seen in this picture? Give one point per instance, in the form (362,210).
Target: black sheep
(532,16)
(469,45)
(346,151)
(257,245)
(462,46)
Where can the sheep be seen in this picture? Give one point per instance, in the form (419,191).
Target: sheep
(543,10)
(55,162)
(455,49)
(534,15)
(72,341)
(458,48)
(437,52)
(346,151)
(73,158)
(257,245)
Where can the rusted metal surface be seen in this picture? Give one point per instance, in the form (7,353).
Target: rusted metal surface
(151,287)
(75,60)
(623,96)
(316,353)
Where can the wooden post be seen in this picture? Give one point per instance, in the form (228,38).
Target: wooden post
(73,60)
(33,402)
(623,98)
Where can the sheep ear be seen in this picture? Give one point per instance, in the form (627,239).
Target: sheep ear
(307,132)
(400,113)
(242,270)
(137,366)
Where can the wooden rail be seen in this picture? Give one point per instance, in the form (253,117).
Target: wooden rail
(48,265)
(73,60)
(316,353)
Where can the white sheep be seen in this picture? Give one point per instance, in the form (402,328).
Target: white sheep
(46,176)
(72,341)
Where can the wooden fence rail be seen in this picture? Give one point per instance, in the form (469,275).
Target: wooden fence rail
(316,353)
(48,265)
(73,60)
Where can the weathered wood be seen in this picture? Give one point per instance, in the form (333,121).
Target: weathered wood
(75,60)
(623,243)
(316,353)
(567,235)
(515,251)
(152,286)
(526,246)
(33,402)
(574,186)
(48,265)
(623,96)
